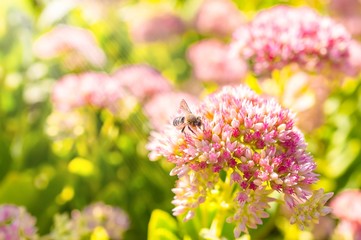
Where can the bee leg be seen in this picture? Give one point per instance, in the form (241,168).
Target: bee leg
(191,130)
(183,129)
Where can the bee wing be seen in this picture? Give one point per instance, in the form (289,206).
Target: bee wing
(184,107)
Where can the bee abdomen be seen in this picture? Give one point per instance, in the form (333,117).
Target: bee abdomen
(178,121)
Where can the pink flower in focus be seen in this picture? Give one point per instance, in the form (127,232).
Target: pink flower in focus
(87,89)
(161,109)
(142,81)
(283,35)
(78,43)
(346,206)
(254,141)
(16,223)
(219,17)
(158,28)
(212,61)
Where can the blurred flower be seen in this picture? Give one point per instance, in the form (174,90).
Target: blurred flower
(355,56)
(346,206)
(142,81)
(218,17)
(69,124)
(212,62)
(157,28)
(162,108)
(16,223)
(77,44)
(283,35)
(252,139)
(348,12)
(87,89)
(301,92)
(112,221)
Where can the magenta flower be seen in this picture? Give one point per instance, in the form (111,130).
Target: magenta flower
(218,17)
(78,43)
(254,141)
(346,206)
(16,223)
(87,89)
(142,81)
(160,27)
(219,65)
(283,35)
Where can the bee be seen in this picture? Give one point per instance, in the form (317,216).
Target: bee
(188,120)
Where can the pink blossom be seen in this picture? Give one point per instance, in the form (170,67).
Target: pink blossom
(158,28)
(81,224)
(346,207)
(142,81)
(252,139)
(283,35)
(218,17)
(161,109)
(87,89)
(78,43)
(348,12)
(16,223)
(212,62)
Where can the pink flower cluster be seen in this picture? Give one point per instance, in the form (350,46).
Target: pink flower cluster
(86,89)
(16,223)
(212,61)
(79,43)
(142,81)
(346,206)
(218,17)
(283,35)
(158,28)
(81,224)
(114,220)
(254,141)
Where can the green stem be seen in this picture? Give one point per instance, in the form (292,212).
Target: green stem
(220,218)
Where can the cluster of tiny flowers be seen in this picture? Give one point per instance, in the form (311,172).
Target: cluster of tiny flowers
(218,17)
(82,224)
(158,28)
(16,223)
(253,140)
(142,81)
(283,35)
(79,43)
(86,89)
(219,65)
(346,206)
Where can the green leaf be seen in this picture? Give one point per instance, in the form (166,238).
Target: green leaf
(162,226)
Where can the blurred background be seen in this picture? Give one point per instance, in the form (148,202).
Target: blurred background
(84,82)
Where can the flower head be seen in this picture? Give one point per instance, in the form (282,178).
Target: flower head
(95,218)
(219,65)
(16,223)
(78,42)
(346,206)
(87,89)
(218,17)
(254,141)
(142,81)
(158,28)
(283,35)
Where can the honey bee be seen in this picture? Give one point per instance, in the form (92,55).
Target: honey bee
(188,120)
